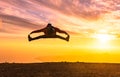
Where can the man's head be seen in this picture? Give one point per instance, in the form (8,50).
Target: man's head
(49,25)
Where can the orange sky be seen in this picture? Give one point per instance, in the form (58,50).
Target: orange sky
(92,24)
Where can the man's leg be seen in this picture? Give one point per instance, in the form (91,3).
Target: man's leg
(57,36)
(35,38)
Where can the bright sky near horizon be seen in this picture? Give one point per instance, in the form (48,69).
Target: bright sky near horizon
(92,24)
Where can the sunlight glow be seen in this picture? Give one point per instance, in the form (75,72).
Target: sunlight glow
(103,41)
(103,38)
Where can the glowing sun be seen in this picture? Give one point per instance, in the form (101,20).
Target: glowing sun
(103,41)
(104,37)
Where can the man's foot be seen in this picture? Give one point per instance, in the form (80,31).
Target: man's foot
(67,38)
(29,38)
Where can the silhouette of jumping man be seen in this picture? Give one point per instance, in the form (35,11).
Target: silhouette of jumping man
(49,32)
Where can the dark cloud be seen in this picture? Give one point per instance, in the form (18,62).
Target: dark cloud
(18,21)
(78,8)
(12,24)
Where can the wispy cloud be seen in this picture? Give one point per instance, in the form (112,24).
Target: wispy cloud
(79,16)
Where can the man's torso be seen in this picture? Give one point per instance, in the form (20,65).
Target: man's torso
(50,31)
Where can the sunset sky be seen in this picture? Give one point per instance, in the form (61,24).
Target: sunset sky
(93,25)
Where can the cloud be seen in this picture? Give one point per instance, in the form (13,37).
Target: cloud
(74,16)
(17,21)
(12,24)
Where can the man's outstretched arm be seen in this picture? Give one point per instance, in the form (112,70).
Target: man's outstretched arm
(61,31)
(36,31)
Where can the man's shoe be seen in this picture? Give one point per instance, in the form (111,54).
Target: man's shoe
(29,38)
(67,38)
